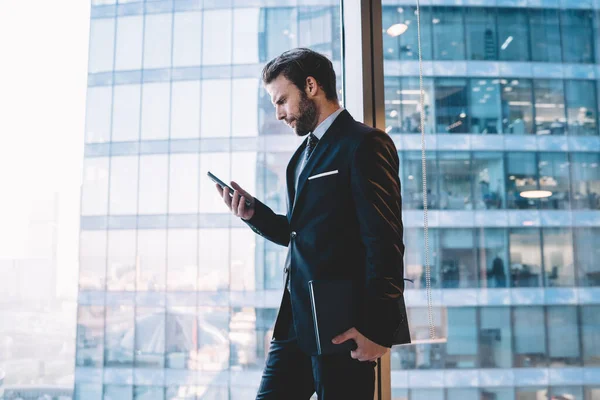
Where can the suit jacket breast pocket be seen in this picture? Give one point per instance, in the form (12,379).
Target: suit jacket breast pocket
(323,186)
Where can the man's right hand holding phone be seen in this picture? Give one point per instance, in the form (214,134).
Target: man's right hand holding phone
(237,202)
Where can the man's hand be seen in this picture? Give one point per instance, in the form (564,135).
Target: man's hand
(366,350)
(237,203)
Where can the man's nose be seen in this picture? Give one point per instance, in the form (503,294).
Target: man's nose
(279,114)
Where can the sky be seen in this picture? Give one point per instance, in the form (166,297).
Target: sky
(43,79)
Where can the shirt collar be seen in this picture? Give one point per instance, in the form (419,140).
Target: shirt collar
(324,126)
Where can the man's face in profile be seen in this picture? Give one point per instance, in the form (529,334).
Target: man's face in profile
(293,106)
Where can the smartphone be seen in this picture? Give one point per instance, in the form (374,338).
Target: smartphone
(224,185)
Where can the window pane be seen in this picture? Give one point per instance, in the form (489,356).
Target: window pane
(151,269)
(585,181)
(149,337)
(462,394)
(182,272)
(129,43)
(405,46)
(577,36)
(529,328)
(148,393)
(154,182)
(521,176)
(448,33)
(403,106)
(278,31)
(558,257)
(92,260)
(126,113)
(88,391)
(181,345)
(451,105)
(411,176)
(566,392)
(517,106)
(98,114)
(216,49)
(498,394)
(157,40)
(592,393)
(495,338)
(485,106)
(414,261)
(213,275)
(549,107)
(315,29)
(480,23)
(462,338)
(213,333)
(455,185)
(243,270)
(525,257)
(218,164)
(183,183)
(554,177)
(185,110)
(119,337)
(545,37)
(102,45)
(187,39)
(513,35)
(590,335)
(90,336)
(245,35)
(457,258)
(563,336)
(244,108)
(216,108)
(587,254)
(94,189)
(118,392)
(531,393)
(488,180)
(492,254)
(426,394)
(581,107)
(123,185)
(121,260)
(155,111)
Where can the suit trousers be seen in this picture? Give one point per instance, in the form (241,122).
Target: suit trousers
(291,374)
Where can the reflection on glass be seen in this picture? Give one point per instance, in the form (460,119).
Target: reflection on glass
(98,113)
(531,393)
(549,107)
(565,392)
(181,393)
(485,106)
(94,189)
(517,106)
(181,338)
(525,257)
(495,338)
(118,392)
(122,262)
(585,181)
(587,254)
(457,258)
(488,180)
(529,336)
(455,182)
(149,337)
(278,31)
(497,394)
(545,35)
(563,336)
(182,259)
(405,46)
(592,393)
(581,107)
(403,105)
(414,260)
(513,34)
(153,191)
(462,338)
(411,176)
(187,39)
(448,33)
(451,105)
(214,338)
(90,336)
(559,269)
(553,169)
(462,394)
(427,394)
(123,185)
(480,23)
(119,339)
(88,391)
(576,28)
(521,176)
(590,335)
(492,253)
(213,266)
(148,393)
(92,260)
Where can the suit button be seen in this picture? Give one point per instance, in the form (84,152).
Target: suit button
(293,235)
(286,269)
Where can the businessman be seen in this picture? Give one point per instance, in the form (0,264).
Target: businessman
(343,222)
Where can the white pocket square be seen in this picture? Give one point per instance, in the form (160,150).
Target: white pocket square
(323,174)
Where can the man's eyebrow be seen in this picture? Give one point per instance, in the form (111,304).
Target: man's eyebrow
(279,100)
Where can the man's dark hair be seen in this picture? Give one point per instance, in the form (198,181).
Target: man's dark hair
(297,65)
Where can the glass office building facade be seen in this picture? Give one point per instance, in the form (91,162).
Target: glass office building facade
(177,298)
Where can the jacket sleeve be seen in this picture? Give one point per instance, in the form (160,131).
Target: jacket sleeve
(271,226)
(375,185)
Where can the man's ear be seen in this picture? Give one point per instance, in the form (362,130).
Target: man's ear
(312,87)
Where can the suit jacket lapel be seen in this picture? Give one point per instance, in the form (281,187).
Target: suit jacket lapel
(291,175)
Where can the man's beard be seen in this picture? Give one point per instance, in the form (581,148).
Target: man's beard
(307,117)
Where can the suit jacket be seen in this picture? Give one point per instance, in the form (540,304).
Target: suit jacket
(345,225)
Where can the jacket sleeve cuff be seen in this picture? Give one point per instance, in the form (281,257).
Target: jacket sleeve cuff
(378,321)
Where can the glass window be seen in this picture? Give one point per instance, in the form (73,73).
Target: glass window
(151,269)
(274,258)
(577,35)
(426,394)
(245,353)
(92,260)
(592,393)
(148,393)
(563,336)
(119,341)
(412,180)
(581,107)
(216,343)
(129,43)
(277,32)
(94,189)
(118,392)
(182,271)
(513,34)
(216,49)
(243,270)
(126,113)
(549,107)
(517,106)
(98,114)
(399,394)
(88,391)
(529,327)
(123,185)
(451,105)
(187,39)
(315,29)
(585,181)
(493,255)
(244,108)
(521,176)
(587,254)
(448,33)
(403,105)
(157,40)
(554,177)
(149,337)
(566,392)
(121,267)
(183,183)
(531,393)
(406,46)
(485,106)
(102,45)
(220,165)
(181,393)
(462,338)
(455,185)
(245,35)
(545,35)
(488,180)
(558,257)
(525,257)
(590,335)
(155,111)
(480,23)
(495,338)
(185,110)
(414,261)
(462,394)
(154,182)
(457,258)
(497,394)
(181,345)
(216,108)
(213,265)
(90,336)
